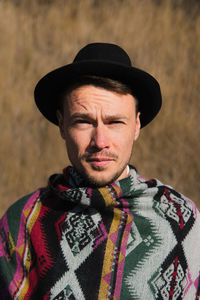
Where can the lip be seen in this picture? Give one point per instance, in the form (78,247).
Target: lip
(99,161)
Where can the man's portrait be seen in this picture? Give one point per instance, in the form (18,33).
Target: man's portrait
(101,227)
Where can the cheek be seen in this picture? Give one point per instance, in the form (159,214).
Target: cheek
(125,138)
(76,143)
(126,143)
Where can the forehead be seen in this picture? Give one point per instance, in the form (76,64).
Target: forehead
(92,97)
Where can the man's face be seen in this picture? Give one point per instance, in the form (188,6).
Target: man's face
(99,127)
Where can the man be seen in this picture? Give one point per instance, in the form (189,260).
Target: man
(99,230)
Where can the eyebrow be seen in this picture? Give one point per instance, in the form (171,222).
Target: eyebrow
(90,117)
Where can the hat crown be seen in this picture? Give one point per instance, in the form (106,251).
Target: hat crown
(103,52)
(103,60)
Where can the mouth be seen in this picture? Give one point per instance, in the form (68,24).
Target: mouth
(100,161)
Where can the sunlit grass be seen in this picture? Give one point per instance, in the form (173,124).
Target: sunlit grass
(161,38)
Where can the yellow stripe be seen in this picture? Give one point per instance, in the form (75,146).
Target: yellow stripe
(107,195)
(108,257)
(27,257)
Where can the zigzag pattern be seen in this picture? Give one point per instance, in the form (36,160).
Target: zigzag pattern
(132,239)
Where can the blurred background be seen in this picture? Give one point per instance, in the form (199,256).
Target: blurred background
(161,37)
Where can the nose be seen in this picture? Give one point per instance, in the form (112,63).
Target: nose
(100,138)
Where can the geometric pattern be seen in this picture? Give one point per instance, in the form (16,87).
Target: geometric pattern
(169,282)
(144,241)
(173,207)
(81,231)
(66,294)
(153,233)
(132,239)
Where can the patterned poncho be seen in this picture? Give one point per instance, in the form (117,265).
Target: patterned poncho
(132,239)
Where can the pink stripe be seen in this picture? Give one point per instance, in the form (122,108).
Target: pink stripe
(4,224)
(189,282)
(23,220)
(89,192)
(125,205)
(22,240)
(103,237)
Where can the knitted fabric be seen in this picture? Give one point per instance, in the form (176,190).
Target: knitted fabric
(132,239)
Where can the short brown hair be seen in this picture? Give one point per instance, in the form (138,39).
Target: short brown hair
(102,82)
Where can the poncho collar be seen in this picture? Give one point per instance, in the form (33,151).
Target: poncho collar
(71,187)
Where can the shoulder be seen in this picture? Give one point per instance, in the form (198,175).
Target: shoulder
(23,203)
(167,201)
(174,205)
(17,222)
(169,194)
(173,211)
(19,212)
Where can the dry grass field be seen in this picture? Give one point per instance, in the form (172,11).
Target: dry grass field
(162,37)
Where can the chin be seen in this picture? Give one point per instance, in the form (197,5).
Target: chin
(99,179)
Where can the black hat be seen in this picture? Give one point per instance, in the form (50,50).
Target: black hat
(105,60)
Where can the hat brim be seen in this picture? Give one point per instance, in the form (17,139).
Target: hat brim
(145,87)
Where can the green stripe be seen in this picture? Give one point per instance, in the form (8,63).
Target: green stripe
(14,215)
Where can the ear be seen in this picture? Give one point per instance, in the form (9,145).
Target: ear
(60,123)
(137,126)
